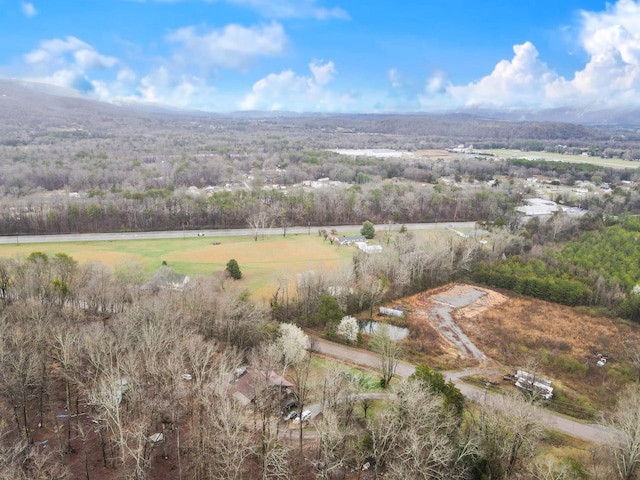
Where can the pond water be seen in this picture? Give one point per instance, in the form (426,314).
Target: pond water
(370,326)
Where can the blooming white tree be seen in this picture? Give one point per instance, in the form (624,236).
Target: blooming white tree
(348,328)
(292,343)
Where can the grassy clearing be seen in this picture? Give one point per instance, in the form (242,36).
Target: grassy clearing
(366,380)
(261,262)
(604,162)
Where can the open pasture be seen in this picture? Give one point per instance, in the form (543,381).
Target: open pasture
(560,157)
(261,262)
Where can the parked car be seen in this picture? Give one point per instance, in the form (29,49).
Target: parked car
(201,234)
(304,417)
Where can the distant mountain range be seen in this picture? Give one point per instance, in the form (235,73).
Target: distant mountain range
(22,101)
(609,117)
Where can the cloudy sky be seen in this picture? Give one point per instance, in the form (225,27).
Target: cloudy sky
(330,55)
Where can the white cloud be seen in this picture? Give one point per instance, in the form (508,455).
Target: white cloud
(91,60)
(123,86)
(610,77)
(69,77)
(285,8)
(394,78)
(292,8)
(286,90)
(66,62)
(437,83)
(163,87)
(52,51)
(234,46)
(29,9)
(512,83)
(322,73)
(612,40)
(126,75)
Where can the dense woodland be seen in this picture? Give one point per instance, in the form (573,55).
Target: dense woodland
(595,268)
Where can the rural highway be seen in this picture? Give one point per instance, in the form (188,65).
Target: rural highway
(590,432)
(94,237)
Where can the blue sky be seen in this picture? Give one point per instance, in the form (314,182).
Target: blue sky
(330,55)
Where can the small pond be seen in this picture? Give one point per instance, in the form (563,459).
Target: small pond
(370,326)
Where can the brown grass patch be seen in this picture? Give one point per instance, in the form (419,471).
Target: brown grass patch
(111,259)
(516,332)
(433,154)
(267,253)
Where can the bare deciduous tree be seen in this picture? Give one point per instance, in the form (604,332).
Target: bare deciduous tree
(258,222)
(625,447)
(415,437)
(389,351)
(331,445)
(506,428)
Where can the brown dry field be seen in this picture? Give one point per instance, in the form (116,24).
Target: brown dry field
(524,333)
(263,263)
(435,154)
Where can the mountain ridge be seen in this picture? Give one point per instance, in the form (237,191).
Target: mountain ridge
(43,99)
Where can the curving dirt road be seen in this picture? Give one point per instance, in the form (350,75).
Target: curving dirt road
(590,432)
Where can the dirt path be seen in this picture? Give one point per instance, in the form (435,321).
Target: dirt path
(590,432)
(464,299)
(440,317)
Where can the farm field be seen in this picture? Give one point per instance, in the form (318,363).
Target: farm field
(261,262)
(434,154)
(605,162)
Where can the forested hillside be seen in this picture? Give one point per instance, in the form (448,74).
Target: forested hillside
(600,267)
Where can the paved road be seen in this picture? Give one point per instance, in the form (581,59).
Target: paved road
(591,432)
(92,237)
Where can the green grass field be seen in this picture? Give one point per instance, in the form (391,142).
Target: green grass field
(261,262)
(604,162)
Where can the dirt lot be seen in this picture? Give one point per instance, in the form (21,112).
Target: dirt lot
(435,329)
(435,154)
(459,326)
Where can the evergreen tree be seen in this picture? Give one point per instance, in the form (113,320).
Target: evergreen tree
(234,269)
(368,230)
(329,312)
(436,383)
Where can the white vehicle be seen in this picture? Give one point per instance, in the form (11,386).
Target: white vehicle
(304,417)
(533,384)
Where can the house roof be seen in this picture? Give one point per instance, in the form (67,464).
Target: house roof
(166,277)
(351,238)
(246,382)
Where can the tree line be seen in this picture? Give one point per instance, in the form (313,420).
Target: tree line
(596,268)
(161,210)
